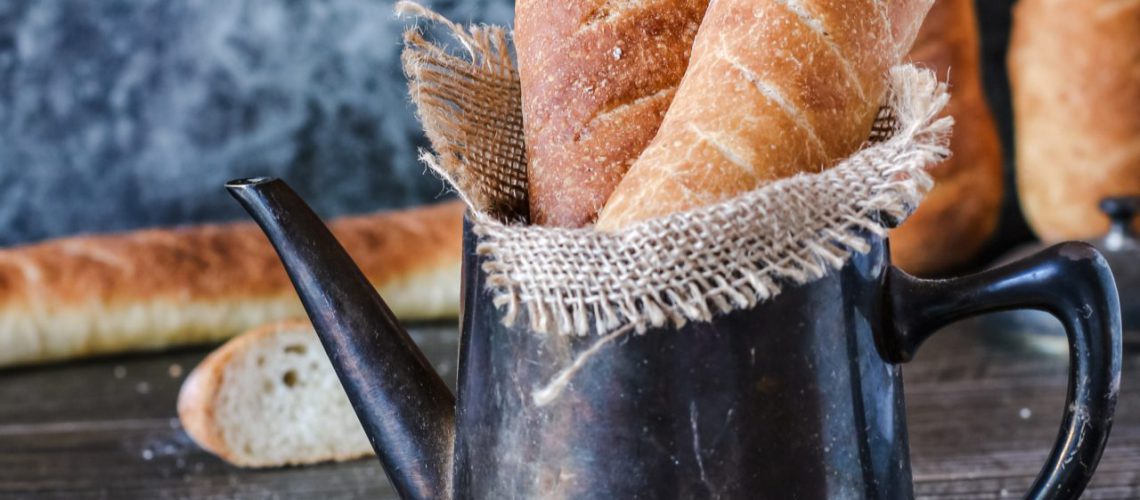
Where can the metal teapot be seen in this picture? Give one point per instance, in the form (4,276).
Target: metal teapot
(798,397)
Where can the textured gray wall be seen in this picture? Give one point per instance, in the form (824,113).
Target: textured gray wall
(117,114)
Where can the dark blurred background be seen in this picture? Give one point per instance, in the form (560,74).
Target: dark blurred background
(118,114)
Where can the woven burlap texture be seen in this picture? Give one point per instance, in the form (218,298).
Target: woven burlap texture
(685,267)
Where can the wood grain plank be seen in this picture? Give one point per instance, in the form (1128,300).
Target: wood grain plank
(982,412)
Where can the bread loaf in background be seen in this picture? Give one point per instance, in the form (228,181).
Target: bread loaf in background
(1074,68)
(597,77)
(270,398)
(960,214)
(773,88)
(161,288)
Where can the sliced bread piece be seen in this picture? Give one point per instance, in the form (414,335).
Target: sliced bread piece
(270,398)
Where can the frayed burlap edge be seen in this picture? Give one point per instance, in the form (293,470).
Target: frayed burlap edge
(471,112)
(685,267)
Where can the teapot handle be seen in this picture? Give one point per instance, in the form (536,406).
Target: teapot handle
(1072,281)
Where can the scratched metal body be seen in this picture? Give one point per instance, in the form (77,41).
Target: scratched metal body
(797,397)
(788,400)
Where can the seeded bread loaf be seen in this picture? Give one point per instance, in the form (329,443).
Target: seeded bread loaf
(597,77)
(773,88)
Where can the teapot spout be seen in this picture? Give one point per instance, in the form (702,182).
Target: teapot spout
(404,406)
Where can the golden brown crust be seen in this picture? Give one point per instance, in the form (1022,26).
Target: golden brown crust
(597,77)
(215,261)
(773,88)
(156,288)
(197,397)
(960,214)
(1074,69)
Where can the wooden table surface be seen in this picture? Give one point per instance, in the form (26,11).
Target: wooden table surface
(982,411)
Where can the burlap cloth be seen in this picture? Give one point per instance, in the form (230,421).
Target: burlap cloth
(685,267)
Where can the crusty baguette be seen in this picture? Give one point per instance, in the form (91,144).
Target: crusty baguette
(960,214)
(160,288)
(270,398)
(597,77)
(773,88)
(1074,68)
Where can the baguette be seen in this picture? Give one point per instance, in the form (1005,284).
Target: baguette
(961,213)
(270,398)
(161,288)
(773,88)
(1074,68)
(597,77)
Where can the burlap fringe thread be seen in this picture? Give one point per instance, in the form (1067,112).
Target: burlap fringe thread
(685,267)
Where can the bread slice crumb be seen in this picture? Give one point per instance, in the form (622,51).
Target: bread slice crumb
(270,398)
